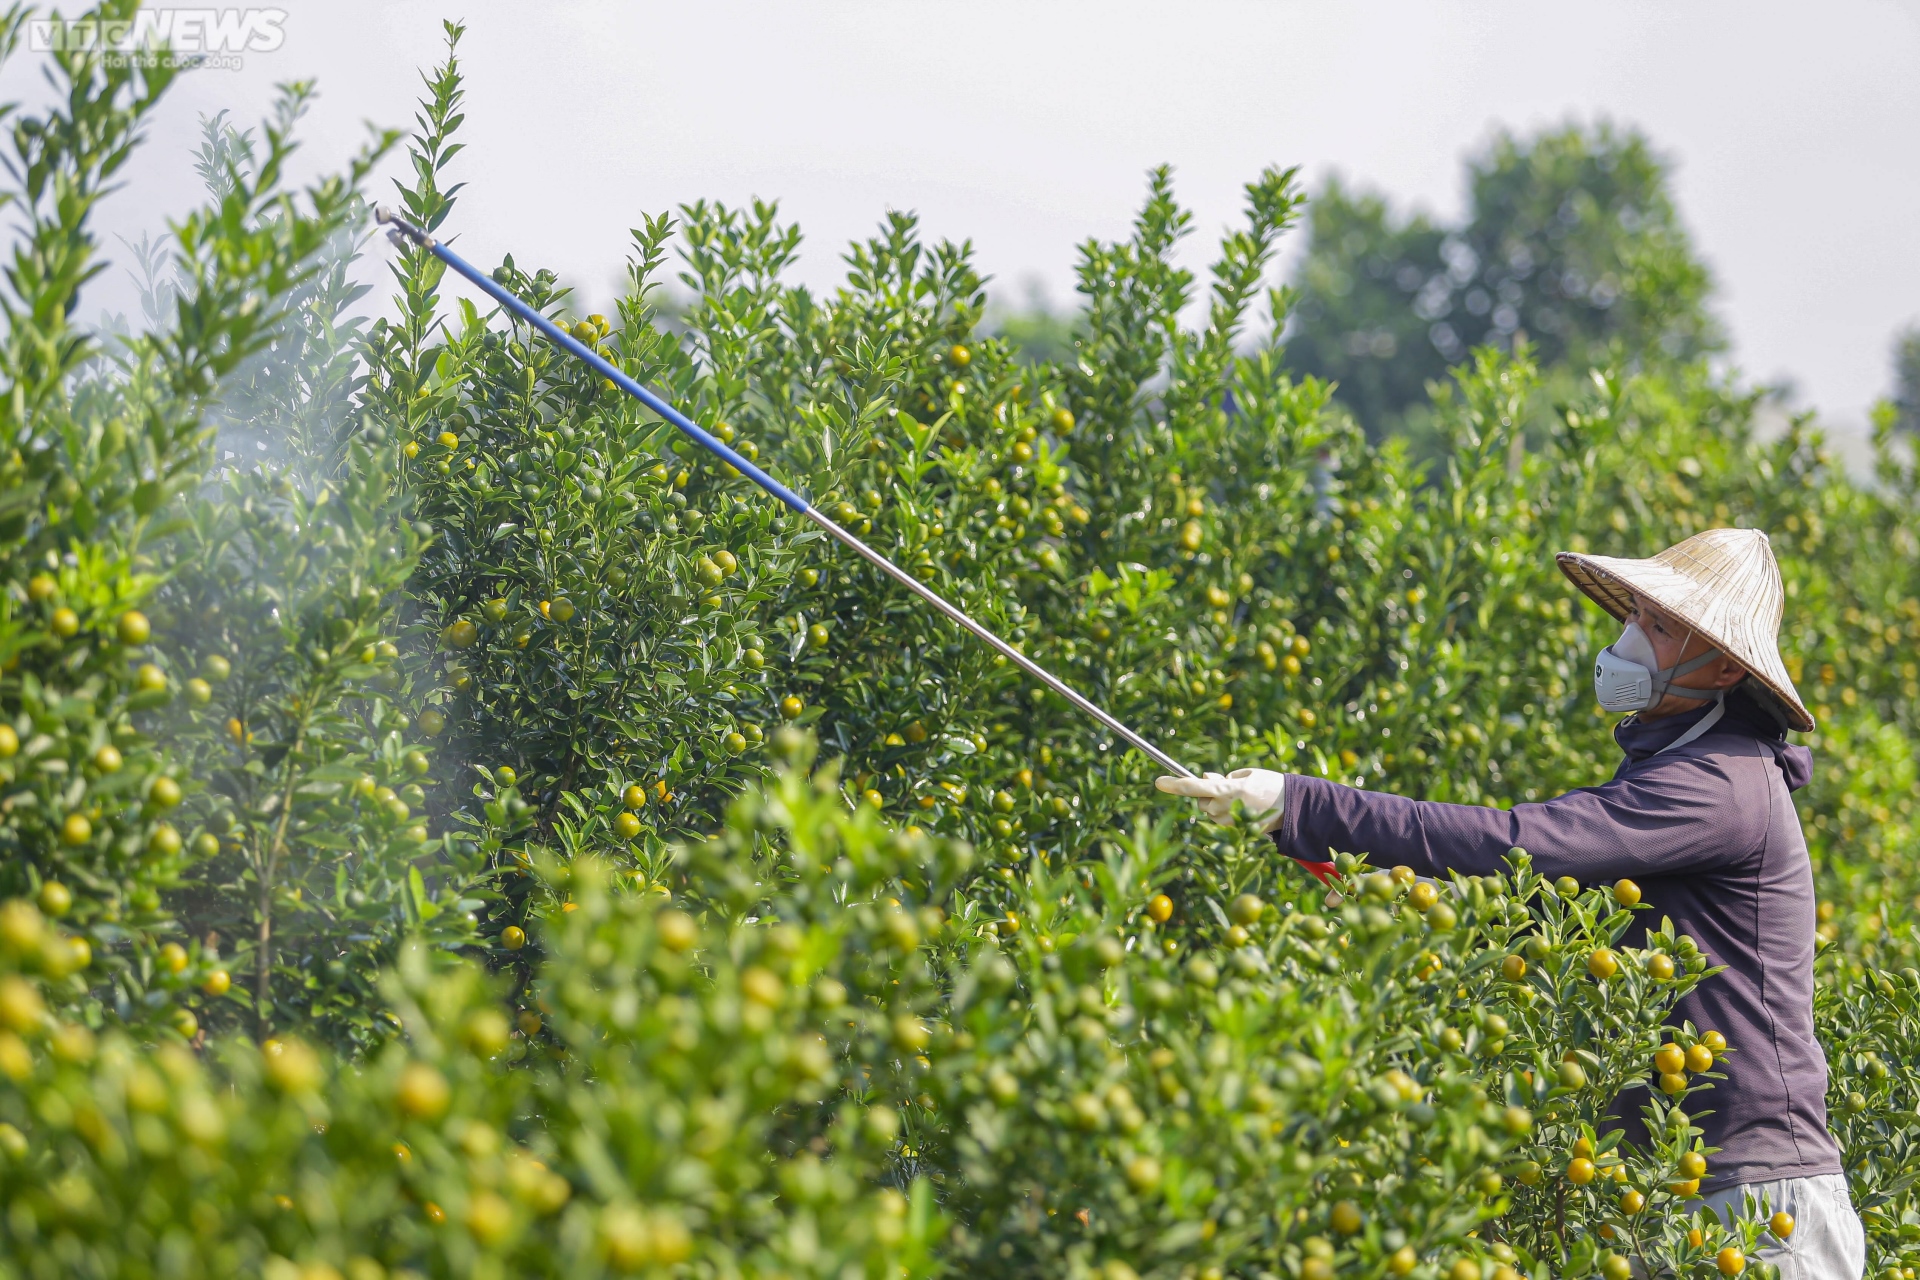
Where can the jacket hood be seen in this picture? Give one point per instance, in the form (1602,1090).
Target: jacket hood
(1643,739)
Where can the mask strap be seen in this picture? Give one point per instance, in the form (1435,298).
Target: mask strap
(1706,722)
(1663,680)
(1682,668)
(1716,696)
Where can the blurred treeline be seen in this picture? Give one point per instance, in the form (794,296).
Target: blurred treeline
(1571,246)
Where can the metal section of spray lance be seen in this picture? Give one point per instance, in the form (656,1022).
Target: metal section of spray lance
(403,233)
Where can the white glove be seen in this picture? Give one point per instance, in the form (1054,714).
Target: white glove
(1261,793)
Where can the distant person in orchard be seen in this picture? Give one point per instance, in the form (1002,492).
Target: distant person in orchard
(1700,813)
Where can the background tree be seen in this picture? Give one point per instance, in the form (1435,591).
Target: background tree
(1571,244)
(1035,329)
(1906,381)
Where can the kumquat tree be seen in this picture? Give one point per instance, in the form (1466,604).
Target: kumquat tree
(455,827)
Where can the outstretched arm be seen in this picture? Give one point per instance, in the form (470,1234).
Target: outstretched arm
(1682,815)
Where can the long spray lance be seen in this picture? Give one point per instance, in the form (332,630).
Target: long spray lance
(400,231)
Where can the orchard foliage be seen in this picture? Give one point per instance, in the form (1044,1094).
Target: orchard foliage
(455,828)
(823,1073)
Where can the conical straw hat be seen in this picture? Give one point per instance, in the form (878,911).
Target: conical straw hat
(1723,583)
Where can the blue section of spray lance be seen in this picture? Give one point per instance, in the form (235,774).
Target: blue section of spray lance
(406,231)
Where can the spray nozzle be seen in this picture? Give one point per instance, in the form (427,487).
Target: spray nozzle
(399,230)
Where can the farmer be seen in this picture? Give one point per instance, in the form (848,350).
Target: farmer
(1700,813)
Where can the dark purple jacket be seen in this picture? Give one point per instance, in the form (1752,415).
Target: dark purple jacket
(1709,832)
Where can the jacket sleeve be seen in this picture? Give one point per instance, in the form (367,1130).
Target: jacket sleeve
(1686,814)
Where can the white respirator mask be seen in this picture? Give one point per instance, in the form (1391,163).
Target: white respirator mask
(1628,677)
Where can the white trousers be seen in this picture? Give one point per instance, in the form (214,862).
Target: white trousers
(1828,1242)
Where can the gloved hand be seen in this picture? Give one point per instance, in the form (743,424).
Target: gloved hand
(1261,793)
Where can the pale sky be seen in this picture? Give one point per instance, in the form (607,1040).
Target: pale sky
(1028,127)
